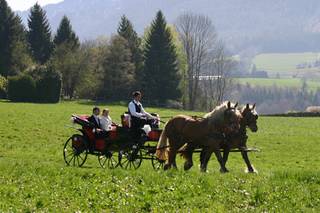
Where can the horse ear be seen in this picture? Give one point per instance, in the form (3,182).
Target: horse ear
(254,106)
(247,106)
(235,106)
(229,104)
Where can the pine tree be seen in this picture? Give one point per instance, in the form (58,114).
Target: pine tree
(39,35)
(66,34)
(161,79)
(118,70)
(13,46)
(126,30)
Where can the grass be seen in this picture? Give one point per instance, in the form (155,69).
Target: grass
(284,62)
(282,82)
(34,178)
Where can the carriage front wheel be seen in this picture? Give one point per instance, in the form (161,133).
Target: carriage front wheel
(157,163)
(75,151)
(130,159)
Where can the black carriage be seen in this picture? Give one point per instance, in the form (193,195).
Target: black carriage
(118,147)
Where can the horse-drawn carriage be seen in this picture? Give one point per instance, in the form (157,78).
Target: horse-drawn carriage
(222,130)
(119,147)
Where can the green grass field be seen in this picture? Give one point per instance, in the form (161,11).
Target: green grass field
(284,62)
(34,177)
(282,82)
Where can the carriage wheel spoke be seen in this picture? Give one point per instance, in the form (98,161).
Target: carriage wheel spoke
(104,160)
(67,154)
(78,160)
(127,165)
(71,159)
(125,161)
(80,157)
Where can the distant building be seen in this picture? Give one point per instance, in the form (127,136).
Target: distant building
(208,77)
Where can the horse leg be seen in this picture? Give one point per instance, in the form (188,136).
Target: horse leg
(205,157)
(188,155)
(171,158)
(226,152)
(223,169)
(202,155)
(247,161)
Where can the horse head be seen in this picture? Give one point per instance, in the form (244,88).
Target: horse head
(250,117)
(224,118)
(232,117)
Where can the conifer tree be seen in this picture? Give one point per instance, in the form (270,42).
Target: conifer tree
(13,46)
(118,70)
(161,79)
(65,34)
(126,30)
(39,35)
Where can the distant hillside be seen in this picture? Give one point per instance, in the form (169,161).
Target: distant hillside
(258,26)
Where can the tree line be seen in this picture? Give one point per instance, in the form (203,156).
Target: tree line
(166,63)
(271,100)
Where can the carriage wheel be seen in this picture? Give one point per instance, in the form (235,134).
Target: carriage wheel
(130,159)
(110,160)
(157,163)
(75,151)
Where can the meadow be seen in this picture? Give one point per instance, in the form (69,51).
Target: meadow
(34,177)
(284,62)
(313,84)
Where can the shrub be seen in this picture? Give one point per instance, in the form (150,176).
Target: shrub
(21,88)
(3,87)
(48,85)
(42,84)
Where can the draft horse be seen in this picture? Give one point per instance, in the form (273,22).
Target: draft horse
(230,141)
(239,140)
(181,129)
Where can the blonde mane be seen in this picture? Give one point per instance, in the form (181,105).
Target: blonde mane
(217,114)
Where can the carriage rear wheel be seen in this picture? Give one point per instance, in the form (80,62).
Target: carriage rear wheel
(130,159)
(75,151)
(110,160)
(157,164)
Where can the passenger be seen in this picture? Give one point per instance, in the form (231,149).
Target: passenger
(105,120)
(94,118)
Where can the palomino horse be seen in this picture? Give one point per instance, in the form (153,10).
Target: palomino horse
(229,141)
(224,119)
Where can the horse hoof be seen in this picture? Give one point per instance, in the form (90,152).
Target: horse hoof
(224,170)
(166,167)
(251,170)
(187,167)
(203,170)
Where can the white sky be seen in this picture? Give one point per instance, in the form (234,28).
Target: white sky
(26,4)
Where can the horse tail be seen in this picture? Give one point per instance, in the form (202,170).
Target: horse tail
(162,149)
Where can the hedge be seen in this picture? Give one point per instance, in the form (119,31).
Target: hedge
(41,85)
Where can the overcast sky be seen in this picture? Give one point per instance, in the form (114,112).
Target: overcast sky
(26,4)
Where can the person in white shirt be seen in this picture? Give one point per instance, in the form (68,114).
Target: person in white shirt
(105,120)
(139,117)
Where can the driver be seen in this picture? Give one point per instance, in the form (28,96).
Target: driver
(139,117)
